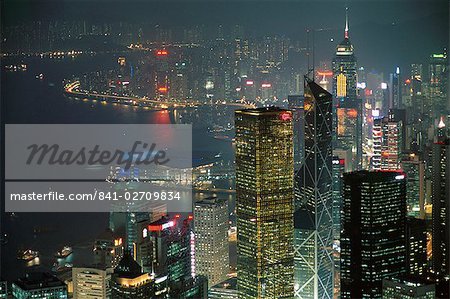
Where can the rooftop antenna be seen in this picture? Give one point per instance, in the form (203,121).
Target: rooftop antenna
(346,23)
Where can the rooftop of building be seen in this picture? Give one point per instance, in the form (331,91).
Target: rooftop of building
(38,280)
(262,111)
(230,284)
(209,201)
(374,176)
(128,267)
(411,281)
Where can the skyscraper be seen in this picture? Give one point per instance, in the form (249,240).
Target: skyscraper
(338,172)
(441,202)
(348,114)
(166,249)
(395,89)
(439,73)
(211,239)
(315,184)
(344,69)
(108,249)
(373,231)
(414,168)
(387,143)
(129,282)
(416,246)
(264,197)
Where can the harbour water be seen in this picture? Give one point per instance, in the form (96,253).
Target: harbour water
(30,100)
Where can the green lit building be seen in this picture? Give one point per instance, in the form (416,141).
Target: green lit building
(39,285)
(264,196)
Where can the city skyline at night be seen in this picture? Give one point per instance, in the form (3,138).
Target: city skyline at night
(290,149)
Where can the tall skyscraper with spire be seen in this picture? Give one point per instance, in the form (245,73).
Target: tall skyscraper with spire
(348,114)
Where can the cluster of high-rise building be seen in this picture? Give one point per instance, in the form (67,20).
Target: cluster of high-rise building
(363,227)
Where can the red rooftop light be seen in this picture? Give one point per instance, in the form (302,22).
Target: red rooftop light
(285,116)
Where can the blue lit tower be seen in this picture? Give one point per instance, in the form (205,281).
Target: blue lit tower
(314,181)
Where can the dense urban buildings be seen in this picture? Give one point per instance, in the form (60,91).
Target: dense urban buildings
(373,231)
(319,161)
(264,186)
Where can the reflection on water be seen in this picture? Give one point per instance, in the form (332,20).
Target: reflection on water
(42,102)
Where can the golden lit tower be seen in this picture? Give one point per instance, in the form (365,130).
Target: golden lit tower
(264,186)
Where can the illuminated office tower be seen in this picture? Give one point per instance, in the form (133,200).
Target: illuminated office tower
(395,89)
(438,72)
(391,147)
(338,172)
(387,143)
(211,239)
(344,69)
(416,246)
(264,198)
(91,282)
(441,206)
(315,184)
(373,231)
(166,249)
(377,140)
(108,249)
(348,114)
(414,168)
